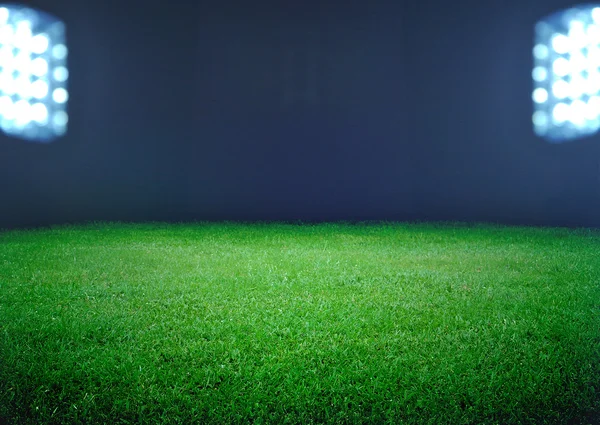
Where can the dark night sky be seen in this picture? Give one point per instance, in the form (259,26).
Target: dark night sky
(395,110)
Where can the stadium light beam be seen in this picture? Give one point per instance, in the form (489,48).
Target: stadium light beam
(33,74)
(566,74)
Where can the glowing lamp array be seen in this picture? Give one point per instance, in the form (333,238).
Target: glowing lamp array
(33,74)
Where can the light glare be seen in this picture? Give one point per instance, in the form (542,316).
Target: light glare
(39,113)
(39,67)
(540,119)
(561,67)
(561,44)
(59,51)
(60,95)
(539,73)
(39,44)
(540,51)
(39,89)
(540,95)
(561,113)
(566,74)
(61,74)
(61,119)
(3,15)
(33,74)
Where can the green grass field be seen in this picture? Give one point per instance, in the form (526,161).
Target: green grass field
(275,323)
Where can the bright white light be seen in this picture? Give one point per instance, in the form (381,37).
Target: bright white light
(578,111)
(539,73)
(23,86)
(39,67)
(61,74)
(6,105)
(39,113)
(60,95)
(39,89)
(561,67)
(578,62)
(561,113)
(6,56)
(593,108)
(3,15)
(23,35)
(540,95)
(593,56)
(39,44)
(22,62)
(7,86)
(61,119)
(561,89)
(540,119)
(567,48)
(59,51)
(577,35)
(7,34)
(22,113)
(592,34)
(540,51)
(578,86)
(561,44)
(592,83)
(33,74)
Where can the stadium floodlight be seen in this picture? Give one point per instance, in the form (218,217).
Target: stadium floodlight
(33,74)
(566,74)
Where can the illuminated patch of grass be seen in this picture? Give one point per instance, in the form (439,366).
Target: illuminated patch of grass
(278,323)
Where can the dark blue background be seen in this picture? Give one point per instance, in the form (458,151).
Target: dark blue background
(178,113)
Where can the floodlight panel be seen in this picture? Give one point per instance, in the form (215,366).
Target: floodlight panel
(566,74)
(33,74)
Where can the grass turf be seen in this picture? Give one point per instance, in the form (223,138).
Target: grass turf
(299,323)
